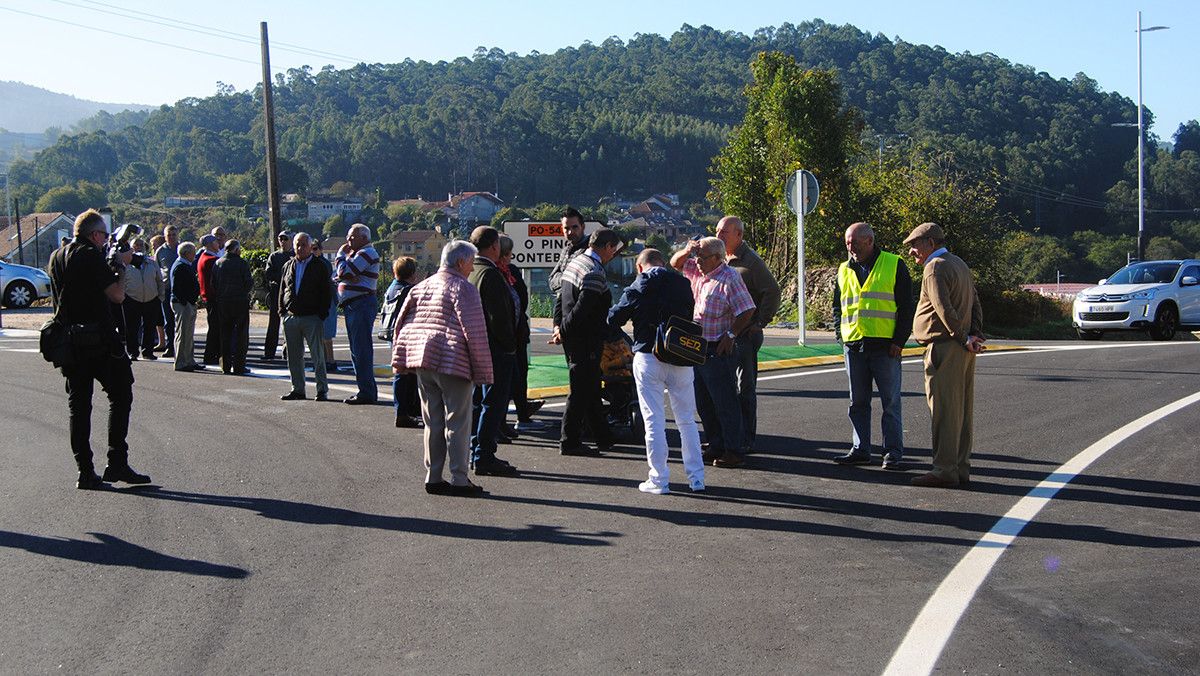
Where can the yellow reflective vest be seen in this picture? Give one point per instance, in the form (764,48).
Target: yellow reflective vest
(869,309)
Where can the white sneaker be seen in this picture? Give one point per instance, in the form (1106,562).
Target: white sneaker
(696,485)
(648,486)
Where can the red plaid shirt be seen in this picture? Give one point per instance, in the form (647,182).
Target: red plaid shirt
(720,296)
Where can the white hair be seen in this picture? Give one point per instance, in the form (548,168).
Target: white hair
(456,252)
(712,245)
(359,227)
(185,248)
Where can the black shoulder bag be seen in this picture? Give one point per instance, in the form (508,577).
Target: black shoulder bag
(680,342)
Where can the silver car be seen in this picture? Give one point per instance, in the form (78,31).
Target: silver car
(1154,296)
(23,284)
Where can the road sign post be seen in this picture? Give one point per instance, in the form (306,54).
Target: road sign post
(802,194)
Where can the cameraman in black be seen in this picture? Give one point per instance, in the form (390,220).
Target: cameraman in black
(84,283)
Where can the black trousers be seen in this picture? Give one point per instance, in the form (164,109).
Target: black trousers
(116,377)
(271,342)
(235,334)
(141,322)
(520,384)
(583,403)
(212,339)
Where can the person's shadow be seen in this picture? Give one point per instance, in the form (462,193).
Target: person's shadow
(109,550)
(303,512)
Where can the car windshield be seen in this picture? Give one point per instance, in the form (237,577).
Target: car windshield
(1145,273)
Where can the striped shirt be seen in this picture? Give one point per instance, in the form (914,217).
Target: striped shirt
(720,296)
(357,274)
(584,271)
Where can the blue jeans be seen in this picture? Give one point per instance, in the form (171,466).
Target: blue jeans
(717,404)
(360,320)
(874,364)
(491,406)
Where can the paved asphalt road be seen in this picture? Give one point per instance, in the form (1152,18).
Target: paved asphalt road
(295,537)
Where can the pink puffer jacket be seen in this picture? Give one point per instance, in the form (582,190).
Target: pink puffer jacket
(441,328)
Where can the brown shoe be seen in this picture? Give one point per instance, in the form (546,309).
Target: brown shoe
(932,480)
(729,459)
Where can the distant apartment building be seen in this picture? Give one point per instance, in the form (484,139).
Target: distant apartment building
(475,207)
(423,245)
(187,201)
(322,207)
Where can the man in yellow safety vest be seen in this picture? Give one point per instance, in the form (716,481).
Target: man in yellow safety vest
(873,316)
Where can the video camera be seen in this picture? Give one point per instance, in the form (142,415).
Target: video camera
(119,243)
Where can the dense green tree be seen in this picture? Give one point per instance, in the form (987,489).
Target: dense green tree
(134,181)
(335,227)
(72,199)
(795,119)
(1187,137)
(657,241)
(1164,248)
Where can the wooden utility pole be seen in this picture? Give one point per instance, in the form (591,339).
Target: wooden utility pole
(269,118)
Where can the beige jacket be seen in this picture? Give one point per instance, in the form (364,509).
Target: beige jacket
(949,306)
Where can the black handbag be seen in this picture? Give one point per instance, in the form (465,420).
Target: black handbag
(680,342)
(65,345)
(54,342)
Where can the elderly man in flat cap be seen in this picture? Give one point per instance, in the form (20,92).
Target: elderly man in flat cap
(949,322)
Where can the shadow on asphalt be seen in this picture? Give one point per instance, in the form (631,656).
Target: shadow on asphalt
(972,523)
(307,513)
(109,550)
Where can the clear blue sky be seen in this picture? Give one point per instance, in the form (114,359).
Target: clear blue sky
(1060,37)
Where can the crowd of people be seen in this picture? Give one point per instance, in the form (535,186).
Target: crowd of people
(460,339)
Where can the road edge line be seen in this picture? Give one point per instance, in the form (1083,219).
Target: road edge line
(922,646)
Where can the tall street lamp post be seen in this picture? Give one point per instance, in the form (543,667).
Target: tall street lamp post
(1141,238)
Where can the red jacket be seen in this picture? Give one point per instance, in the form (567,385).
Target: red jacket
(204,273)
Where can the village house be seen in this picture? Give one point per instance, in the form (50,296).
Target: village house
(40,234)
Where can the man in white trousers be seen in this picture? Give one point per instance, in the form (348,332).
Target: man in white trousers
(658,293)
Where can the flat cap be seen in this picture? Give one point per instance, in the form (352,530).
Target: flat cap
(925,230)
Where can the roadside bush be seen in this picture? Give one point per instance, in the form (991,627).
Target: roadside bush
(1023,314)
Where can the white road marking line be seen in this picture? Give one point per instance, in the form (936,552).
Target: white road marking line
(927,636)
(801,371)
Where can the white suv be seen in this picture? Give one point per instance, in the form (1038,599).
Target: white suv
(1155,296)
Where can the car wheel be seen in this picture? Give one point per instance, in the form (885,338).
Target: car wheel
(1166,320)
(19,294)
(1085,334)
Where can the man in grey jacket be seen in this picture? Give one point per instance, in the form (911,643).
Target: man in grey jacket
(764,289)
(142,306)
(233,284)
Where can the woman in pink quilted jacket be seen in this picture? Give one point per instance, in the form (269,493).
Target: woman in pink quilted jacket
(441,336)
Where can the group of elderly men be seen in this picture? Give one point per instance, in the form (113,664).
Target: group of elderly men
(728,291)
(301,292)
(724,287)
(733,297)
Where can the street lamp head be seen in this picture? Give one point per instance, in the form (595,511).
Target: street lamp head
(1155,28)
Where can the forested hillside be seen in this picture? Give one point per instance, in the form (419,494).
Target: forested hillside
(628,117)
